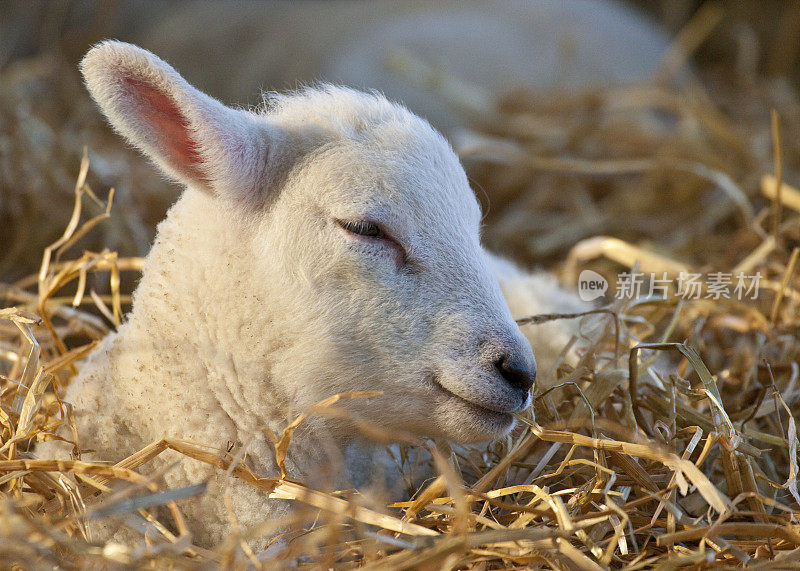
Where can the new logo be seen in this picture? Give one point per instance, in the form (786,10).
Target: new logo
(591,285)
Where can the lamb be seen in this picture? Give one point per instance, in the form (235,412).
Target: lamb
(327,243)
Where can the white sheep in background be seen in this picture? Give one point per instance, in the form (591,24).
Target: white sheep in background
(329,243)
(492,46)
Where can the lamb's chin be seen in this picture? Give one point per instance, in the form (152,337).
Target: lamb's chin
(466,422)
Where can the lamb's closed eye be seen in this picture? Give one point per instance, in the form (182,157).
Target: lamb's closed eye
(363,228)
(369,230)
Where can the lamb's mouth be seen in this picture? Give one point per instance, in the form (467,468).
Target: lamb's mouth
(505,415)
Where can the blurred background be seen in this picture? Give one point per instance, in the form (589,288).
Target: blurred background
(644,120)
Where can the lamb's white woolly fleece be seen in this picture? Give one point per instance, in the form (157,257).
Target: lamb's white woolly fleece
(256,303)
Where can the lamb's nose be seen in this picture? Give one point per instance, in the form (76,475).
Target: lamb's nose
(516,371)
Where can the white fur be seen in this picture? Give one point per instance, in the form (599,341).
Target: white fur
(255,304)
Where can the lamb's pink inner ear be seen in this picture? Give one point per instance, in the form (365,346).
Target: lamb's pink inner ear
(170,126)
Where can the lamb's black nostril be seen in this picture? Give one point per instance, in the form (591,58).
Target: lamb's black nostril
(517,372)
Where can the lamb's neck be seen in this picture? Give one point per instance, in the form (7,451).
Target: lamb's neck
(231,332)
(196,293)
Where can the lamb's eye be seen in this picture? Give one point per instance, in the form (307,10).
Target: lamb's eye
(362,228)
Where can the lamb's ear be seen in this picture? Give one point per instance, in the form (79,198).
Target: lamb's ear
(191,136)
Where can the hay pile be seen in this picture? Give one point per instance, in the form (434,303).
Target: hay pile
(46,120)
(671,442)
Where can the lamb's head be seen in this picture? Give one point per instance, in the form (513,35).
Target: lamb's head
(364,241)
